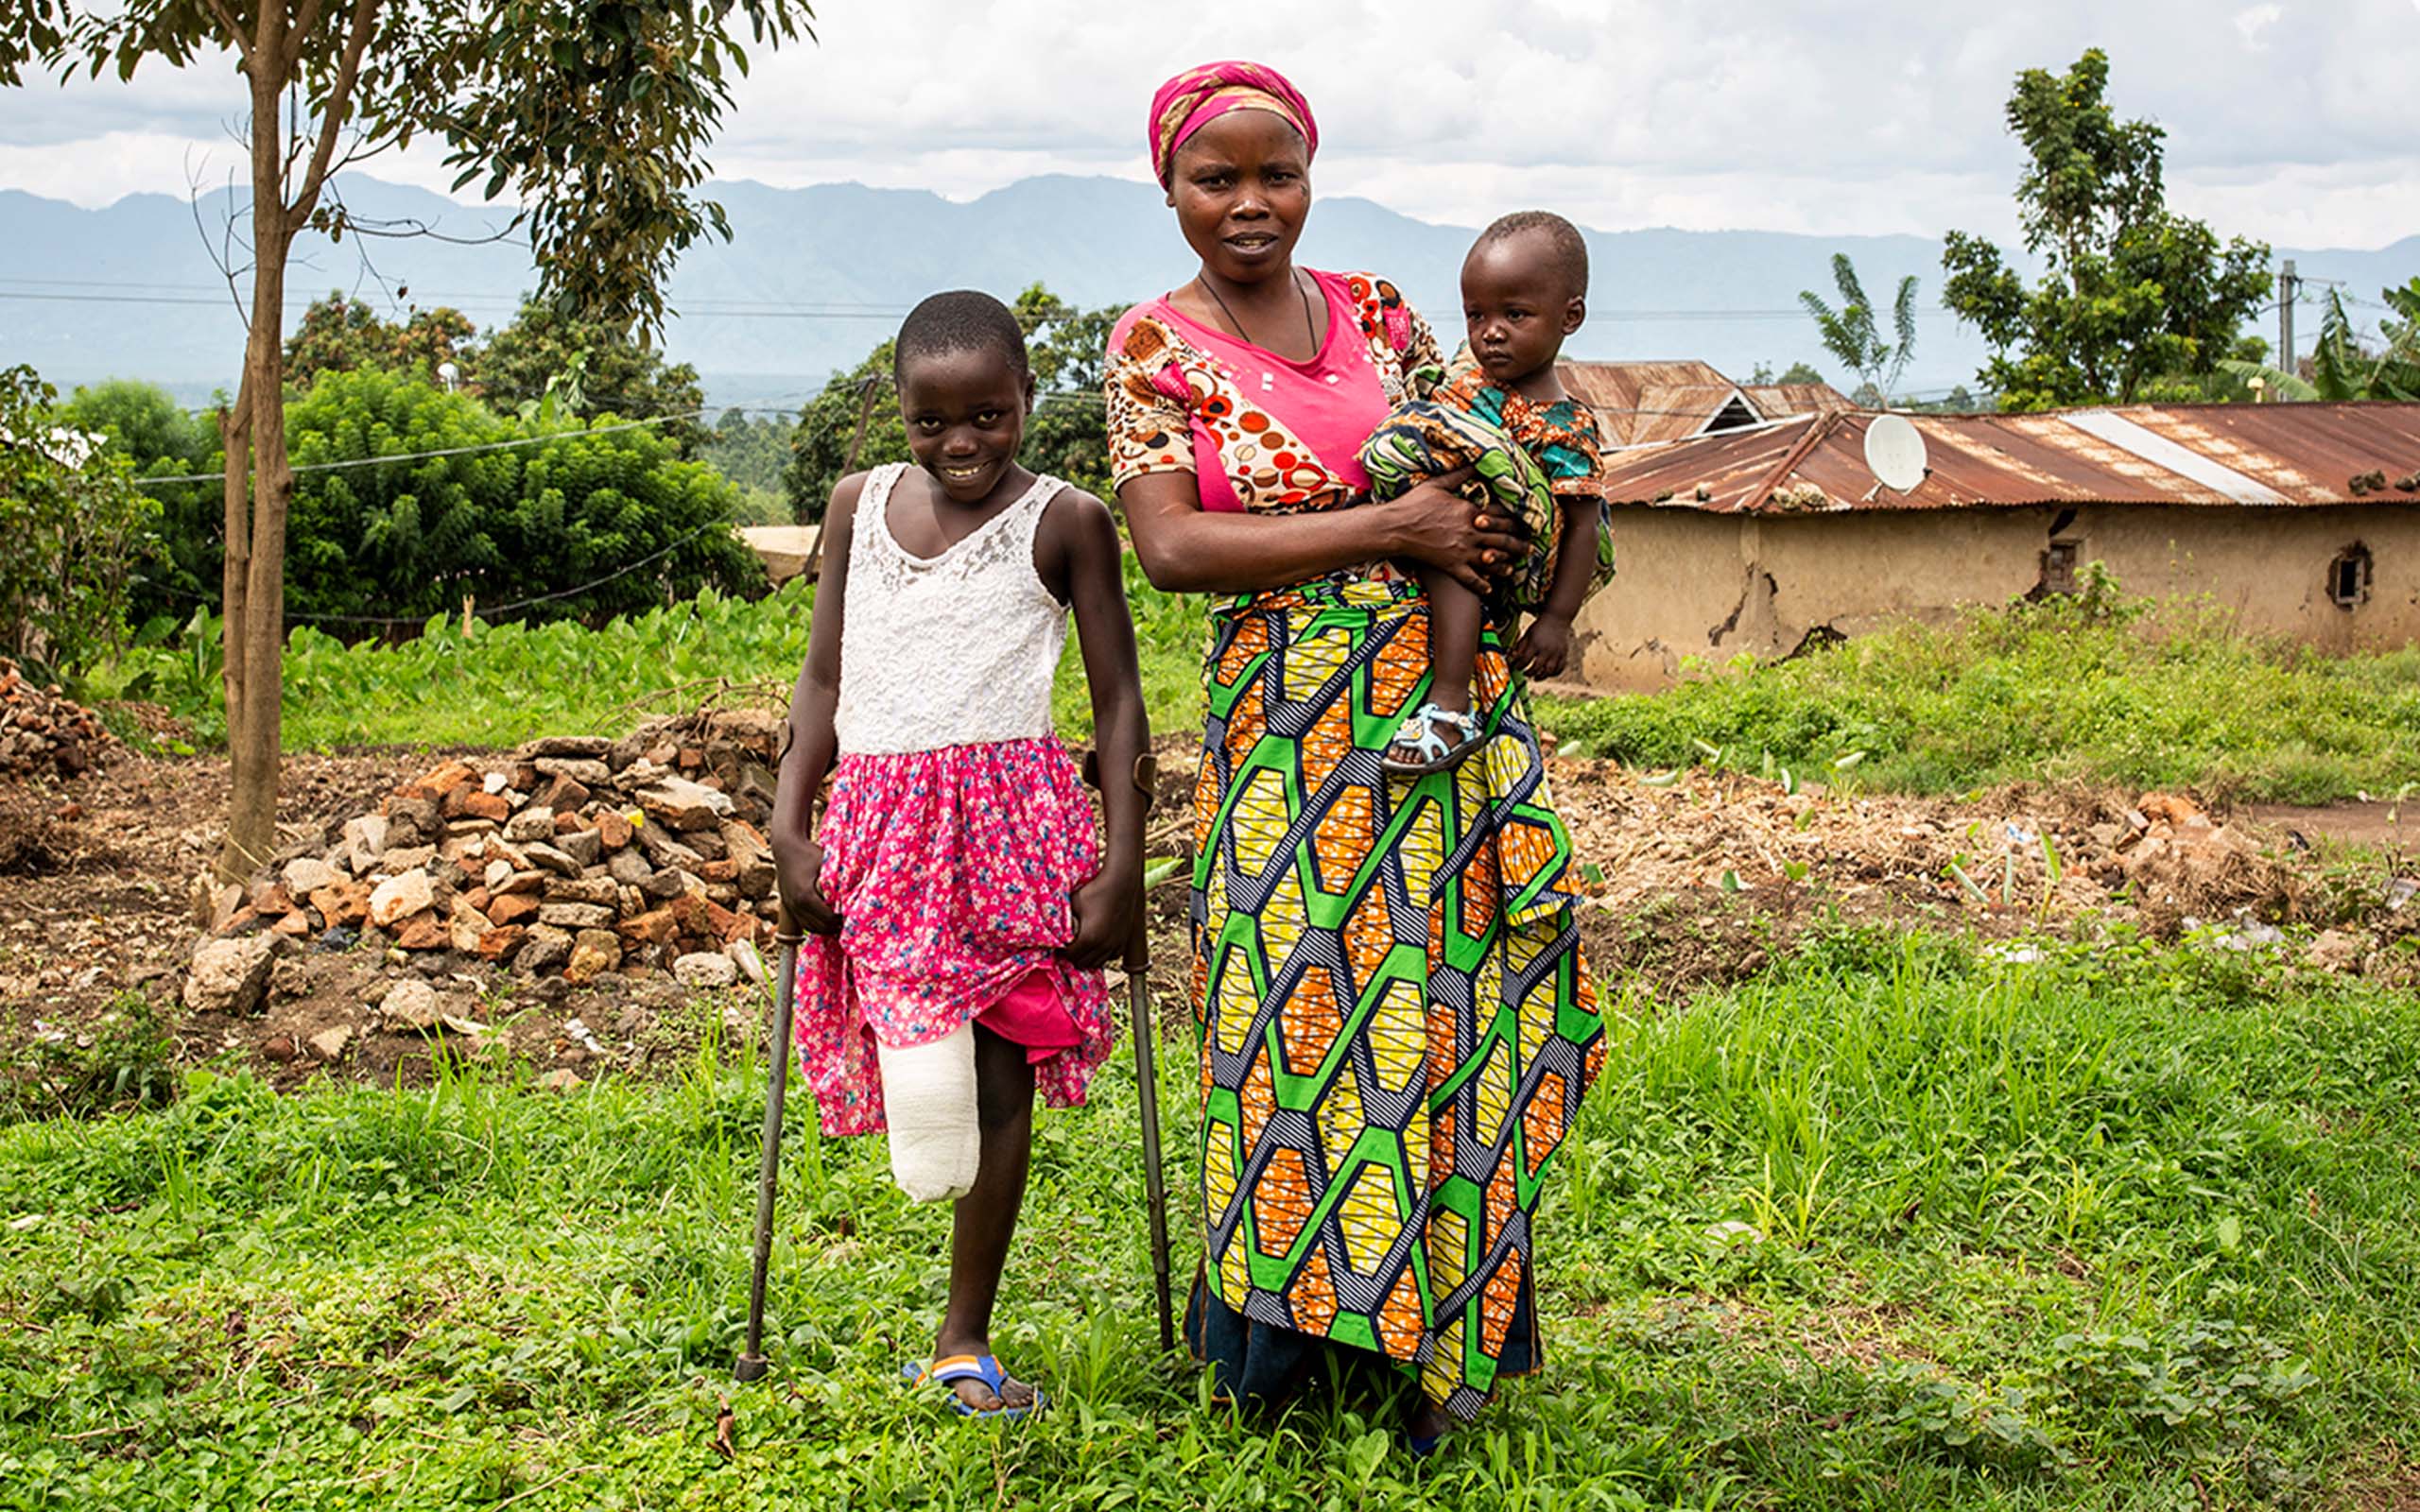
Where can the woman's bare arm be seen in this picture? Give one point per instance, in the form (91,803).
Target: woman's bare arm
(1187,549)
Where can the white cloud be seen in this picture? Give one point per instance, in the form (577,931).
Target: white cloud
(2253,20)
(1879,117)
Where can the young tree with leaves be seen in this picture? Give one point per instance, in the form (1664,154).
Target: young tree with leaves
(618,375)
(2134,293)
(340,335)
(594,114)
(1850,334)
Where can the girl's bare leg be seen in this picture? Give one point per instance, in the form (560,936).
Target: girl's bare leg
(986,1219)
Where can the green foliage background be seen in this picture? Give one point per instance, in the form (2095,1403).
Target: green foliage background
(72,526)
(398,541)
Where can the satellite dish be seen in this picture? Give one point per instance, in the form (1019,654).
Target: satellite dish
(1895,450)
(447,371)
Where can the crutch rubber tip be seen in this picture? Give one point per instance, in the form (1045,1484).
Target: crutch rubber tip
(749,1367)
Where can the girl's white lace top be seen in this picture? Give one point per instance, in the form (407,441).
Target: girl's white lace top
(956,649)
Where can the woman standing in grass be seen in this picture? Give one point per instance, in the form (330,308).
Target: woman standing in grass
(1396,1025)
(958,906)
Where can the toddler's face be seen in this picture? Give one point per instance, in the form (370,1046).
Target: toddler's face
(1517,306)
(965,417)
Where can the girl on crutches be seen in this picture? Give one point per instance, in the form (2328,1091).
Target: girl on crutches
(957,907)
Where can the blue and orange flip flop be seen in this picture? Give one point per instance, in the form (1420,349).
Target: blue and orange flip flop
(956,1367)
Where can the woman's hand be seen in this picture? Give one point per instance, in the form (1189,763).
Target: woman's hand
(1439,526)
(798,872)
(1105,909)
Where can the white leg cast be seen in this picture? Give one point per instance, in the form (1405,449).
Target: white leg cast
(928,1096)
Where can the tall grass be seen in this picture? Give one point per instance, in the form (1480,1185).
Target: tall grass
(2070,689)
(2084,690)
(1891,1226)
(501,684)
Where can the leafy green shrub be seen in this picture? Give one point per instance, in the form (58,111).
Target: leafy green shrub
(1964,1423)
(72,526)
(2198,1375)
(143,423)
(412,539)
(391,543)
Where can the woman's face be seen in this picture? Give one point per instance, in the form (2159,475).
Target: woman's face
(965,417)
(1242,189)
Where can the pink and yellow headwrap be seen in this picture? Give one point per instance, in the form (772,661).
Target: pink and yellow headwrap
(1201,95)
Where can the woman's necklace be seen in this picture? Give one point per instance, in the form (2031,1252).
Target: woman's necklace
(1310,327)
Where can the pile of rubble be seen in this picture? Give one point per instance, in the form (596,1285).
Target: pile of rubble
(2027,854)
(575,856)
(44,733)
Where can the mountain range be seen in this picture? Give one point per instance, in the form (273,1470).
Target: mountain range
(813,277)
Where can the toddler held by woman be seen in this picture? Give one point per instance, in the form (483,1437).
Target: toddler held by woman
(1501,409)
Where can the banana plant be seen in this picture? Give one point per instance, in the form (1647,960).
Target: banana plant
(2342,368)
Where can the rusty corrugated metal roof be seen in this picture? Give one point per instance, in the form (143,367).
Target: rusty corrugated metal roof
(1639,401)
(1773,401)
(1617,384)
(2263,455)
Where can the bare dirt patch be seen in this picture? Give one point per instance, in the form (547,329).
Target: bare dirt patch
(1696,883)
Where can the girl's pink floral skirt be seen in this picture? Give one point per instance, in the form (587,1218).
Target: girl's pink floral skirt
(951,870)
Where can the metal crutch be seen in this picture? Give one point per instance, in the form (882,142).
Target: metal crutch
(750,1364)
(1146,1083)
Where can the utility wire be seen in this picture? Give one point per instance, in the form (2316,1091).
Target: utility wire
(515,606)
(449,451)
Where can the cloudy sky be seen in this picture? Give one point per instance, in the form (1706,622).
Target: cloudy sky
(2288,120)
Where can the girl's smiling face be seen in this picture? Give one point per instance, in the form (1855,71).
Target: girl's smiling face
(965,413)
(1242,189)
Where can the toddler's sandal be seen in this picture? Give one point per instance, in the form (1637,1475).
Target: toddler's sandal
(952,1369)
(1418,735)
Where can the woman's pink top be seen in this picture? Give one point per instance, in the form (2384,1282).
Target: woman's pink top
(1290,432)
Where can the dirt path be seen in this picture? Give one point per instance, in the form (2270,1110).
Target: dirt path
(2392,827)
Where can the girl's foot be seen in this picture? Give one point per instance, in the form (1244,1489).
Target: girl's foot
(1425,1426)
(1433,738)
(974,1392)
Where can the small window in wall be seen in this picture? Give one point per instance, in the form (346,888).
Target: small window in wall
(2059,566)
(2349,576)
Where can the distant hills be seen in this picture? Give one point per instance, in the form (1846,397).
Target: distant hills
(815,276)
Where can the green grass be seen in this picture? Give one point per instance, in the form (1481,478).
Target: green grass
(1888,1226)
(2070,690)
(503,685)
(2065,689)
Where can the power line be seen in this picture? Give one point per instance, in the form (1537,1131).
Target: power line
(450,451)
(498,610)
(832,309)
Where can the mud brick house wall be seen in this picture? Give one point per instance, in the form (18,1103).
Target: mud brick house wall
(2303,520)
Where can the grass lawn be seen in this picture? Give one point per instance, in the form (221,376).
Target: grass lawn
(2068,690)
(2083,691)
(1889,1225)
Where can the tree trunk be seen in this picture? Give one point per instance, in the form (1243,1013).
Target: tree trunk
(234,435)
(255,585)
